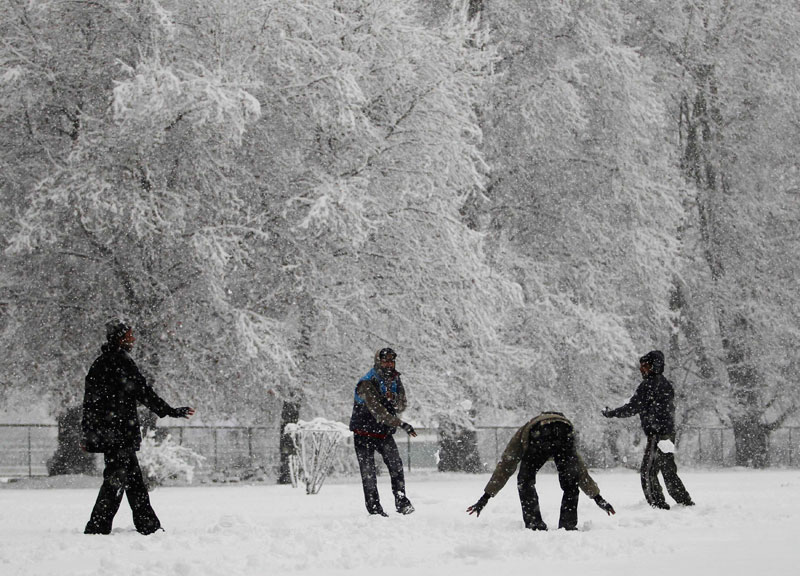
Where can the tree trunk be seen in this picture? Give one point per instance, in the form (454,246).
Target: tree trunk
(684,323)
(475,8)
(751,439)
(701,136)
(290,413)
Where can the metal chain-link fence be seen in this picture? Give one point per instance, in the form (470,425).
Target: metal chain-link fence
(241,450)
(25,448)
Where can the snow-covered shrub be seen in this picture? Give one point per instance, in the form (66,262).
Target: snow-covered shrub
(162,459)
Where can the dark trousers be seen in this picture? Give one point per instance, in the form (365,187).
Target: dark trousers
(554,441)
(656,461)
(122,475)
(366,446)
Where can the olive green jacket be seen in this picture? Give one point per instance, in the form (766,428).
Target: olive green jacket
(518,446)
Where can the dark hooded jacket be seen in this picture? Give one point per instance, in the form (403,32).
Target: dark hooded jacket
(653,401)
(114,386)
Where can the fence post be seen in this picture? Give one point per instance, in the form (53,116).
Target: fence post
(30,468)
(216,463)
(408,451)
(700,444)
(250,445)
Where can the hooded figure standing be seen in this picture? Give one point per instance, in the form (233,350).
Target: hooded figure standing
(548,435)
(114,386)
(654,402)
(378,400)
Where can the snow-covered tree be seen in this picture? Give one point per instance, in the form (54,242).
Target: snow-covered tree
(585,200)
(732,70)
(371,244)
(268,190)
(123,198)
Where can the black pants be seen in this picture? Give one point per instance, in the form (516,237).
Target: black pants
(366,447)
(547,441)
(656,461)
(122,475)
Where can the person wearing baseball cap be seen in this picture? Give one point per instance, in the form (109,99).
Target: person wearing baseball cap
(379,399)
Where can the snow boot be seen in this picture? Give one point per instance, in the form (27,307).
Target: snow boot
(402,504)
(406,508)
(537,525)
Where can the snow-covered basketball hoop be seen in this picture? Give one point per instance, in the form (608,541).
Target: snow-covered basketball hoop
(315,450)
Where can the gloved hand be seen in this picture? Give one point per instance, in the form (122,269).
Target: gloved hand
(182,412)
(607,412)
(478,506)
(609,509)
(408,428)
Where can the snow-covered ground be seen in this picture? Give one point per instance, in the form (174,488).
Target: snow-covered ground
(745,522)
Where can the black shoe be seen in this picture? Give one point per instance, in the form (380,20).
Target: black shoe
(95,529)
(378,512)
(406,508)
(660,505)
(403,505)
(687,503)
(147,526)
(537,526)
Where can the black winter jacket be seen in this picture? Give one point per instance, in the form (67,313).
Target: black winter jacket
(654,402)
(114,386)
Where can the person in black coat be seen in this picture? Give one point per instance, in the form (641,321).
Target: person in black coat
(110,425)
(654,402)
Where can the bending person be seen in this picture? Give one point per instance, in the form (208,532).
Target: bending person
(548,435)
